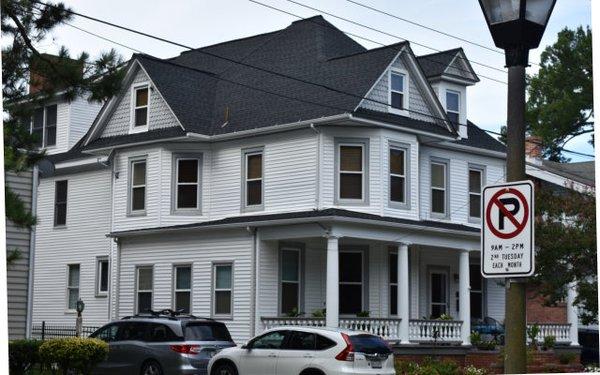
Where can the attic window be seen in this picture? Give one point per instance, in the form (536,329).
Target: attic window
(398,91)
(140,112)
(453,106)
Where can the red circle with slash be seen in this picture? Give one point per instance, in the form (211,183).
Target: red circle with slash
(518,225)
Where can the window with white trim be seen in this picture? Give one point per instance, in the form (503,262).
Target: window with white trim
(290,281)
(43,125)
(475,183)
(72,286)
(102,274)
(182,288)
(60,202)
(351,282)
(398,90)
(253,178)
(187,183)
(351,170)
(223,289)
(438,188)
(397,175)
(144,288)
(453,106)
(137,193)
(140,107)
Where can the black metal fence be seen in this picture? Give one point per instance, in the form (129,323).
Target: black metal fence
(51,331)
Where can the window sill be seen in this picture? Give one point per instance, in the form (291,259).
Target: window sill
(222,317)
(401,112)
(138,129)
(474,220)
(70,312)
(256,208)
(186,212)
(136,213)
(103,295)
(399,206)
(61,227)
(351,202)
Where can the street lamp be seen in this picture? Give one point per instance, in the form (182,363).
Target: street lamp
(516,26)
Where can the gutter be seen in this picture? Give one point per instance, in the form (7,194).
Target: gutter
(397,127)
(469,149)
(29,317)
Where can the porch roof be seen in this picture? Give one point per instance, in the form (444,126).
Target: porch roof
(311,216)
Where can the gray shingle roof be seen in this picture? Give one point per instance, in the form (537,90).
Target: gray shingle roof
(435,64)
(581,172)
(479,138)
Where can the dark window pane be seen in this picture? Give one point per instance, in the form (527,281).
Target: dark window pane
(475,181)
(223,302)
(350,186)
(144,301)
(188,171)
(161,333)
(351,158)
(145,278)
(290,260)
(437,311)
(397,189)
(187,196)
(393,268)
(61,191)
(393,300)
(350,267)
(60,205)
(107,334)
(474,205)
(184,276)
(60,215)
(223,277)
(475,278)
(206,332)
(438,175)
(104,276)
(38,118)
(139,173)
(350,299)
(476,305)
(397,161)
(254,166)
(452,99)
(453,117)
(254,192)
(438,287)
(272,340)
(51,115)
(182,301)
(438,204)
(289,297)
(397,100)
(51,135)
(369,344)
(301,341)
(141,97)
(397,82)
(138,198)
(324,343)
(141,116)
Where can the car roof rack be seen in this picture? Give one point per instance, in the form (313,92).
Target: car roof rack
(165,313)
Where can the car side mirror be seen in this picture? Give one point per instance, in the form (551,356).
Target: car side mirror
(247,346)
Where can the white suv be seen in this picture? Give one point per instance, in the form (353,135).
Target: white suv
(306,351)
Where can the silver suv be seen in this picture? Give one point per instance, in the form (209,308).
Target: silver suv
(157,343)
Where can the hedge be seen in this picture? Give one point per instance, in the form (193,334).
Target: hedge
(73,354)
(23,355)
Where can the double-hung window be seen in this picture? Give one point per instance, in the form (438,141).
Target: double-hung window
(475,183)
(102,276)
(398,95)
(137,193)
(351,282)
(453,106)
(290,280)
(223,289)
(144,288)
(60,203)
(253,179)
(43,125)
(72,286)
(439,188)
(351,165)
(140,107)
(398,158)
(182,288)
(187,184)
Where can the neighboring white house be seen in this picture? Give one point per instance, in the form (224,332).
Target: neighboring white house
(234,193)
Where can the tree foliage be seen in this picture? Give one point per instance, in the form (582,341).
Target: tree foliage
(25,24)
(560,95)
(565,233)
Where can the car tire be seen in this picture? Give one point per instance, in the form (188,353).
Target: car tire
(224,368)
(312,371)
(151,367)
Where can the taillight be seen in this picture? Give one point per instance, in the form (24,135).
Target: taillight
(348,353)
(186,349)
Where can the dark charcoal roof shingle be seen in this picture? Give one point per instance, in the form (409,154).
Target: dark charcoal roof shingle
(317,214)
(581,172)
(479,138)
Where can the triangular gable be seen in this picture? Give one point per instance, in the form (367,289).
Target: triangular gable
(423,102)
(461,67)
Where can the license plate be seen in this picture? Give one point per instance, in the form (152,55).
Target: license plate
(375,364)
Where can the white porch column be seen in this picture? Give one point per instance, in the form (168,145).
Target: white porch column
(464,297)
(572,316)
(332,295)
(403,292)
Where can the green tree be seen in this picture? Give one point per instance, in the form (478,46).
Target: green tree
(560,96)
(565,233)
(26,23)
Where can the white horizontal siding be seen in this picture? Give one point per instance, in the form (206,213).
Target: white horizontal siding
(79,242)
(200,250)
(267,279)
(82,114)
(63,109)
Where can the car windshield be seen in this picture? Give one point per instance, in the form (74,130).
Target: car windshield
(206,332)
(369,344)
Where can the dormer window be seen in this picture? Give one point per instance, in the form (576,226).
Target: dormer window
(140,108)
(453,106)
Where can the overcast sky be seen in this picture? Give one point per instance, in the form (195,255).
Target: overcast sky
(200,23)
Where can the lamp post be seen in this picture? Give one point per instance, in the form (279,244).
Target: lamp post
(79,320)
(516,26)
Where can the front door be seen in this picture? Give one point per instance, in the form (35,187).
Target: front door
(438,293)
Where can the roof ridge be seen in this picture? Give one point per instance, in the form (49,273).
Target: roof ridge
(457,49)
(230,41)
(403,43)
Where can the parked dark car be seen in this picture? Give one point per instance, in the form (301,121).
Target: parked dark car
(158,343)
(489,328)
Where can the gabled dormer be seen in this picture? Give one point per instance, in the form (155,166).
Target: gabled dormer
(450,73)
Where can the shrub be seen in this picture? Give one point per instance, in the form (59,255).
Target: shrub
(472,370)
(23,355)
(428,367)
(318,313)
(549,342)
(475,338)
(566,358)
(73,354)
(362,314)
(532,333)
(487,345)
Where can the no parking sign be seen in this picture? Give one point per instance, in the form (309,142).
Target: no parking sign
(507,230)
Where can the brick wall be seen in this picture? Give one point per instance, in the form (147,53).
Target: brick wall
(538,313)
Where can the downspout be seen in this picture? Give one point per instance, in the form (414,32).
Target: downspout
(318,169)
(34,189)
(117,278)
(111,259)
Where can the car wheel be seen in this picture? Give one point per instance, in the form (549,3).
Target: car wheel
(151,368)
(312,371)
(224,369)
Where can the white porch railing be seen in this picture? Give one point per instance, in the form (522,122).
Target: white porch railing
(559,331)
(421,330)
(389,329)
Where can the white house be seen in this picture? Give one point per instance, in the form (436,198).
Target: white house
(262,180)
